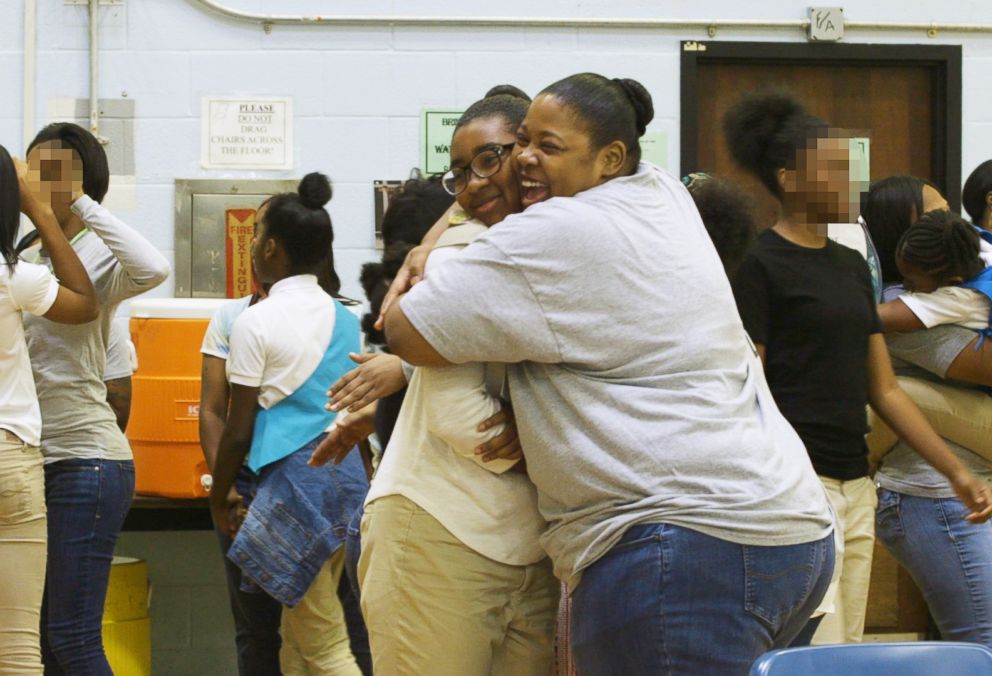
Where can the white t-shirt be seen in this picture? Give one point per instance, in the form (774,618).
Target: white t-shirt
(277,344)
(952,304)
(637,394)
(431,457)
(26,288)
(120,352)
(217,339)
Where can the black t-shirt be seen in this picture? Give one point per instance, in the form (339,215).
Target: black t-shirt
(813,310)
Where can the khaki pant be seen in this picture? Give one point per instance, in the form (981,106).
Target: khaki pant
(854,505)
(961,415)
(23,555)
(434,606)
(314,633)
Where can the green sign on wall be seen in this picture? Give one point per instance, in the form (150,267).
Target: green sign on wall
(436,127)
(654,148)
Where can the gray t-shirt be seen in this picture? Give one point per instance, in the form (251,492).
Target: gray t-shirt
(118,351)
(926,355)
(69,361)
(638,396)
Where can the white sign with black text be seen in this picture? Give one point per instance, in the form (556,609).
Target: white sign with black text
(246,133)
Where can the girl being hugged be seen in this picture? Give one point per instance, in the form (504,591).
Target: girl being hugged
(454,580)
(919,518)
(809,306)
(89,472)
(283,352)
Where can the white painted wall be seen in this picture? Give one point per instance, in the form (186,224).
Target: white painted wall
(358,92)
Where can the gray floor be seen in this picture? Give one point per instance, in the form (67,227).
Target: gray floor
(192,629)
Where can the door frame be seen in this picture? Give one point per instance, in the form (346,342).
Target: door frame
(944,60)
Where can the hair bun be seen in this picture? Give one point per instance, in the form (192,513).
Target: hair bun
(754,121)
(314,190)
(640,99)
(507,90)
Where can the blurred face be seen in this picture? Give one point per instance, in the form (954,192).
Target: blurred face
(483,145)
(823,178)
(554,157)
(916,279)
(55,173)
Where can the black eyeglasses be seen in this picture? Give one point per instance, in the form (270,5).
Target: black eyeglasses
(485,164)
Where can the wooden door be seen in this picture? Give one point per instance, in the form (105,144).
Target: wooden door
(906,98)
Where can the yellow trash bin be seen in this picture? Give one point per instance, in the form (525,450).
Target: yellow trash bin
(127,637)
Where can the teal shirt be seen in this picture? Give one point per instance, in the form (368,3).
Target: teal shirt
(301,417)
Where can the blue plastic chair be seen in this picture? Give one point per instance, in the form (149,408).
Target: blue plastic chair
(923,658)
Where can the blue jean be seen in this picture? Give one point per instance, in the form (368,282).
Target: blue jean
(87,502)
(353,549)
(256,621)
(949,558)
(257,616)
(669,600)
(297,518)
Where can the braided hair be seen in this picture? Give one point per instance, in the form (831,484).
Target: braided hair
(889,207)
(942,244)
(504,101)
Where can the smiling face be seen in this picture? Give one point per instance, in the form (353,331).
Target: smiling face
(488,199)
(554,155)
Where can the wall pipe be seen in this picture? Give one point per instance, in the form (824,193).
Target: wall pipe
(30,67)
(94,10)
(268,20)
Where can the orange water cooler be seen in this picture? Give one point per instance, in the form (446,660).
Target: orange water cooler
(165,401)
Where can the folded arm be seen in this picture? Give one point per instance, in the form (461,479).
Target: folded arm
(141,268)
(457,401)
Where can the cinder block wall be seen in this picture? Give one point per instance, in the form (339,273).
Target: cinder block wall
(358,92)
(357,95)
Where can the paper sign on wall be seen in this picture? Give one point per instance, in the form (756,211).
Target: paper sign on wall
(246,133)
(861,161)
(654,148)
(437,127)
